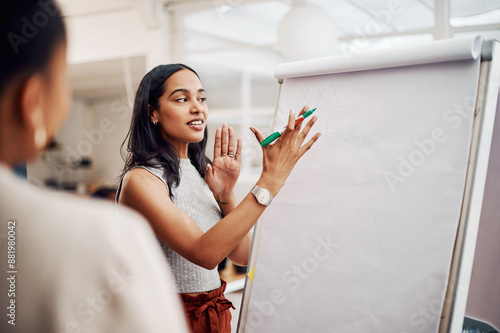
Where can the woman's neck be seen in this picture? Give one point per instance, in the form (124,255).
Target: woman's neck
(181,147)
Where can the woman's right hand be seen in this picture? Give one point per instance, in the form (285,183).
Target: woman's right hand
(280,157)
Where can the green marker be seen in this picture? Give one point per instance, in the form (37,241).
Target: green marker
(276,135)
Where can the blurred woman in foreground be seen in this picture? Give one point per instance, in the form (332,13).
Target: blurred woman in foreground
(72,266)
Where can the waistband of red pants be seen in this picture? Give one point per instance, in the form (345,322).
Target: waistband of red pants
(213,295)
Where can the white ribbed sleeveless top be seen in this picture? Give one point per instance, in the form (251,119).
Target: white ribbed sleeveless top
(195,198)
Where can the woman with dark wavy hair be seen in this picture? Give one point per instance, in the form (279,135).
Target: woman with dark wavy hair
(189,200)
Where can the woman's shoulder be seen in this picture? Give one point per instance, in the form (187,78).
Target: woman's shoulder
(143,173)
(141,179)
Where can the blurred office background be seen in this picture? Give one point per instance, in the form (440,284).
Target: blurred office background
(234,45)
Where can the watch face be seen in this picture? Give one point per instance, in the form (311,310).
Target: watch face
(263,196)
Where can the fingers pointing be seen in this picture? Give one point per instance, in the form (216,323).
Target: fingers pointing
(257,133)
(309,144)
(303,134)
(304,110)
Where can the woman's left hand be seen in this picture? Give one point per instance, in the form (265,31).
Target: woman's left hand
(221,177)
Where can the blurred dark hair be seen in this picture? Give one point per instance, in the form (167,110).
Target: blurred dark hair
(146,146)
(105,192)
(30,32)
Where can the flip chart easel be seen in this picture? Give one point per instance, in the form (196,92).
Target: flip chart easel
(375,229)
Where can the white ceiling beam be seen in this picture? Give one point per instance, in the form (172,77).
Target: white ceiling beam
(485,27)
(77,9)
(442,19)
(388,34)
(232,42)
(188,6)
(234,48)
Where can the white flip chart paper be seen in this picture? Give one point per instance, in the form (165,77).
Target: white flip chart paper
(360,238)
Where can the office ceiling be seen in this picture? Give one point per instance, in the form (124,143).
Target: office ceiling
(244,33)
(241,35)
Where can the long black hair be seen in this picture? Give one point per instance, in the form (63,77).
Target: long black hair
(145,144)
(31,30)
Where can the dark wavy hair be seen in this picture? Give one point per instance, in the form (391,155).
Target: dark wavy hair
(145,144)
(31,31)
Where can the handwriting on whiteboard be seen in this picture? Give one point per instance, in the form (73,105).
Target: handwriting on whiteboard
(322,97)
(349,133)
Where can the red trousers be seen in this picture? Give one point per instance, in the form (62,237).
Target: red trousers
(208,312)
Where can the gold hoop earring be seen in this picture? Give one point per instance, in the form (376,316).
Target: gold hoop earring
(40,131)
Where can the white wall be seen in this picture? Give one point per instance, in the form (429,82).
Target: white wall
(118,34)
(110,124)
